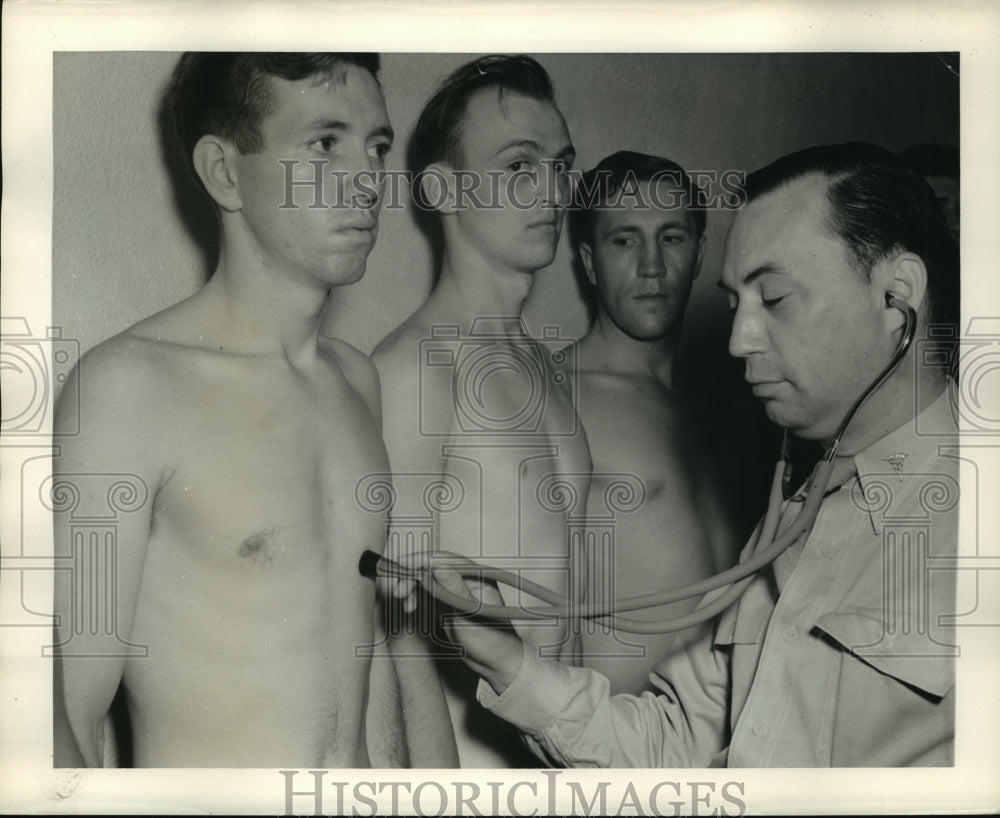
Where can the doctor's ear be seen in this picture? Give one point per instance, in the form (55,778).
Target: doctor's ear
(905,276)
(213,160)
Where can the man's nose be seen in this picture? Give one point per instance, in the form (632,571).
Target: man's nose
(651,263)
(747,334)
(555,186)
(367,180)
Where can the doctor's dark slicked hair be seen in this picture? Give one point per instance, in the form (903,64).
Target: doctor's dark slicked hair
(227,93)
(877,208)
(601,184)
(437,136)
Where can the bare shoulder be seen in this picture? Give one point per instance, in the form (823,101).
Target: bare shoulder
(359,371)
(127,368)
(398,353)
(117,408)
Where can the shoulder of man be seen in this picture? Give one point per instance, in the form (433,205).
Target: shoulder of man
(126,367)
(359,370)
(115,408)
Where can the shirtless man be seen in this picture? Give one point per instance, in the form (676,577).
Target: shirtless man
(471,402)
(641,246)
(244,432)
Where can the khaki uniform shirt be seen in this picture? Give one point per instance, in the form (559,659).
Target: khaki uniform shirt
(839,654)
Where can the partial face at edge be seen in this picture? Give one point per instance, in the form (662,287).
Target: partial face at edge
(643,260)
(946,188)
(809,327)
(340,121)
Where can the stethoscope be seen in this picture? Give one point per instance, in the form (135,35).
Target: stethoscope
(737,578)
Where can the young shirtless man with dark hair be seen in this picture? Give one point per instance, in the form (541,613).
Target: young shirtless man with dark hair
(480,428)
(233,611)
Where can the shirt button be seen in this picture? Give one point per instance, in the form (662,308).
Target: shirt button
(828,549)
(760,729)
(790,634)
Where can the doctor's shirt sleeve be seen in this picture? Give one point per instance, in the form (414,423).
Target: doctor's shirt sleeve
(570,719)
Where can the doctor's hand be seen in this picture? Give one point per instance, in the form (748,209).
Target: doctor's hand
(492,649)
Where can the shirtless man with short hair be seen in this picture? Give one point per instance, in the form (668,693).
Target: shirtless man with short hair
(641,245)
(249,431)
(472,403)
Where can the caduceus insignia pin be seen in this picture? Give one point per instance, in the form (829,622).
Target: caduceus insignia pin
(896,461)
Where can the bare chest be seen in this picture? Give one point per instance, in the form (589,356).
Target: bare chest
(260,475)
(635,429)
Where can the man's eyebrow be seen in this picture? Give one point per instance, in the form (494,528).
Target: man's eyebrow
(750,277)
(328,125)
(567,152)
(340,125)
(523,144)
(667,224)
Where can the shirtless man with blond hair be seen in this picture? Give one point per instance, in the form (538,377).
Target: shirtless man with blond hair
(237,612)
(641,243)
(476,411)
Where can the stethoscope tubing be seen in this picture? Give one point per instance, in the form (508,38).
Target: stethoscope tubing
(736,578)
(559,607)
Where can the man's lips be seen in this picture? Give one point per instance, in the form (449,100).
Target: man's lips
(360,229)
(763,388)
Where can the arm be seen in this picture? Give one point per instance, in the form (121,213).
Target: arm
(408,724)
(89,665)
(420,702)
(430,739)
(384,718)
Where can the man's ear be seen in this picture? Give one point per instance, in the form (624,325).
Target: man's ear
(587,257)
(906,276)
(698,258)
(437,187)
(213,159)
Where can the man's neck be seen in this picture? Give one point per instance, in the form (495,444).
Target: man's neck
(895,403)
(607,348)
(469,288)
(256,310)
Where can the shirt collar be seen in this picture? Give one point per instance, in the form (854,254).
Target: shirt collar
(908,450)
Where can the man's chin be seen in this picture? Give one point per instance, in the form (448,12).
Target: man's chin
(347,272)
(795,425)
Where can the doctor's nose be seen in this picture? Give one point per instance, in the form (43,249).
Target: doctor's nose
(747,334)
